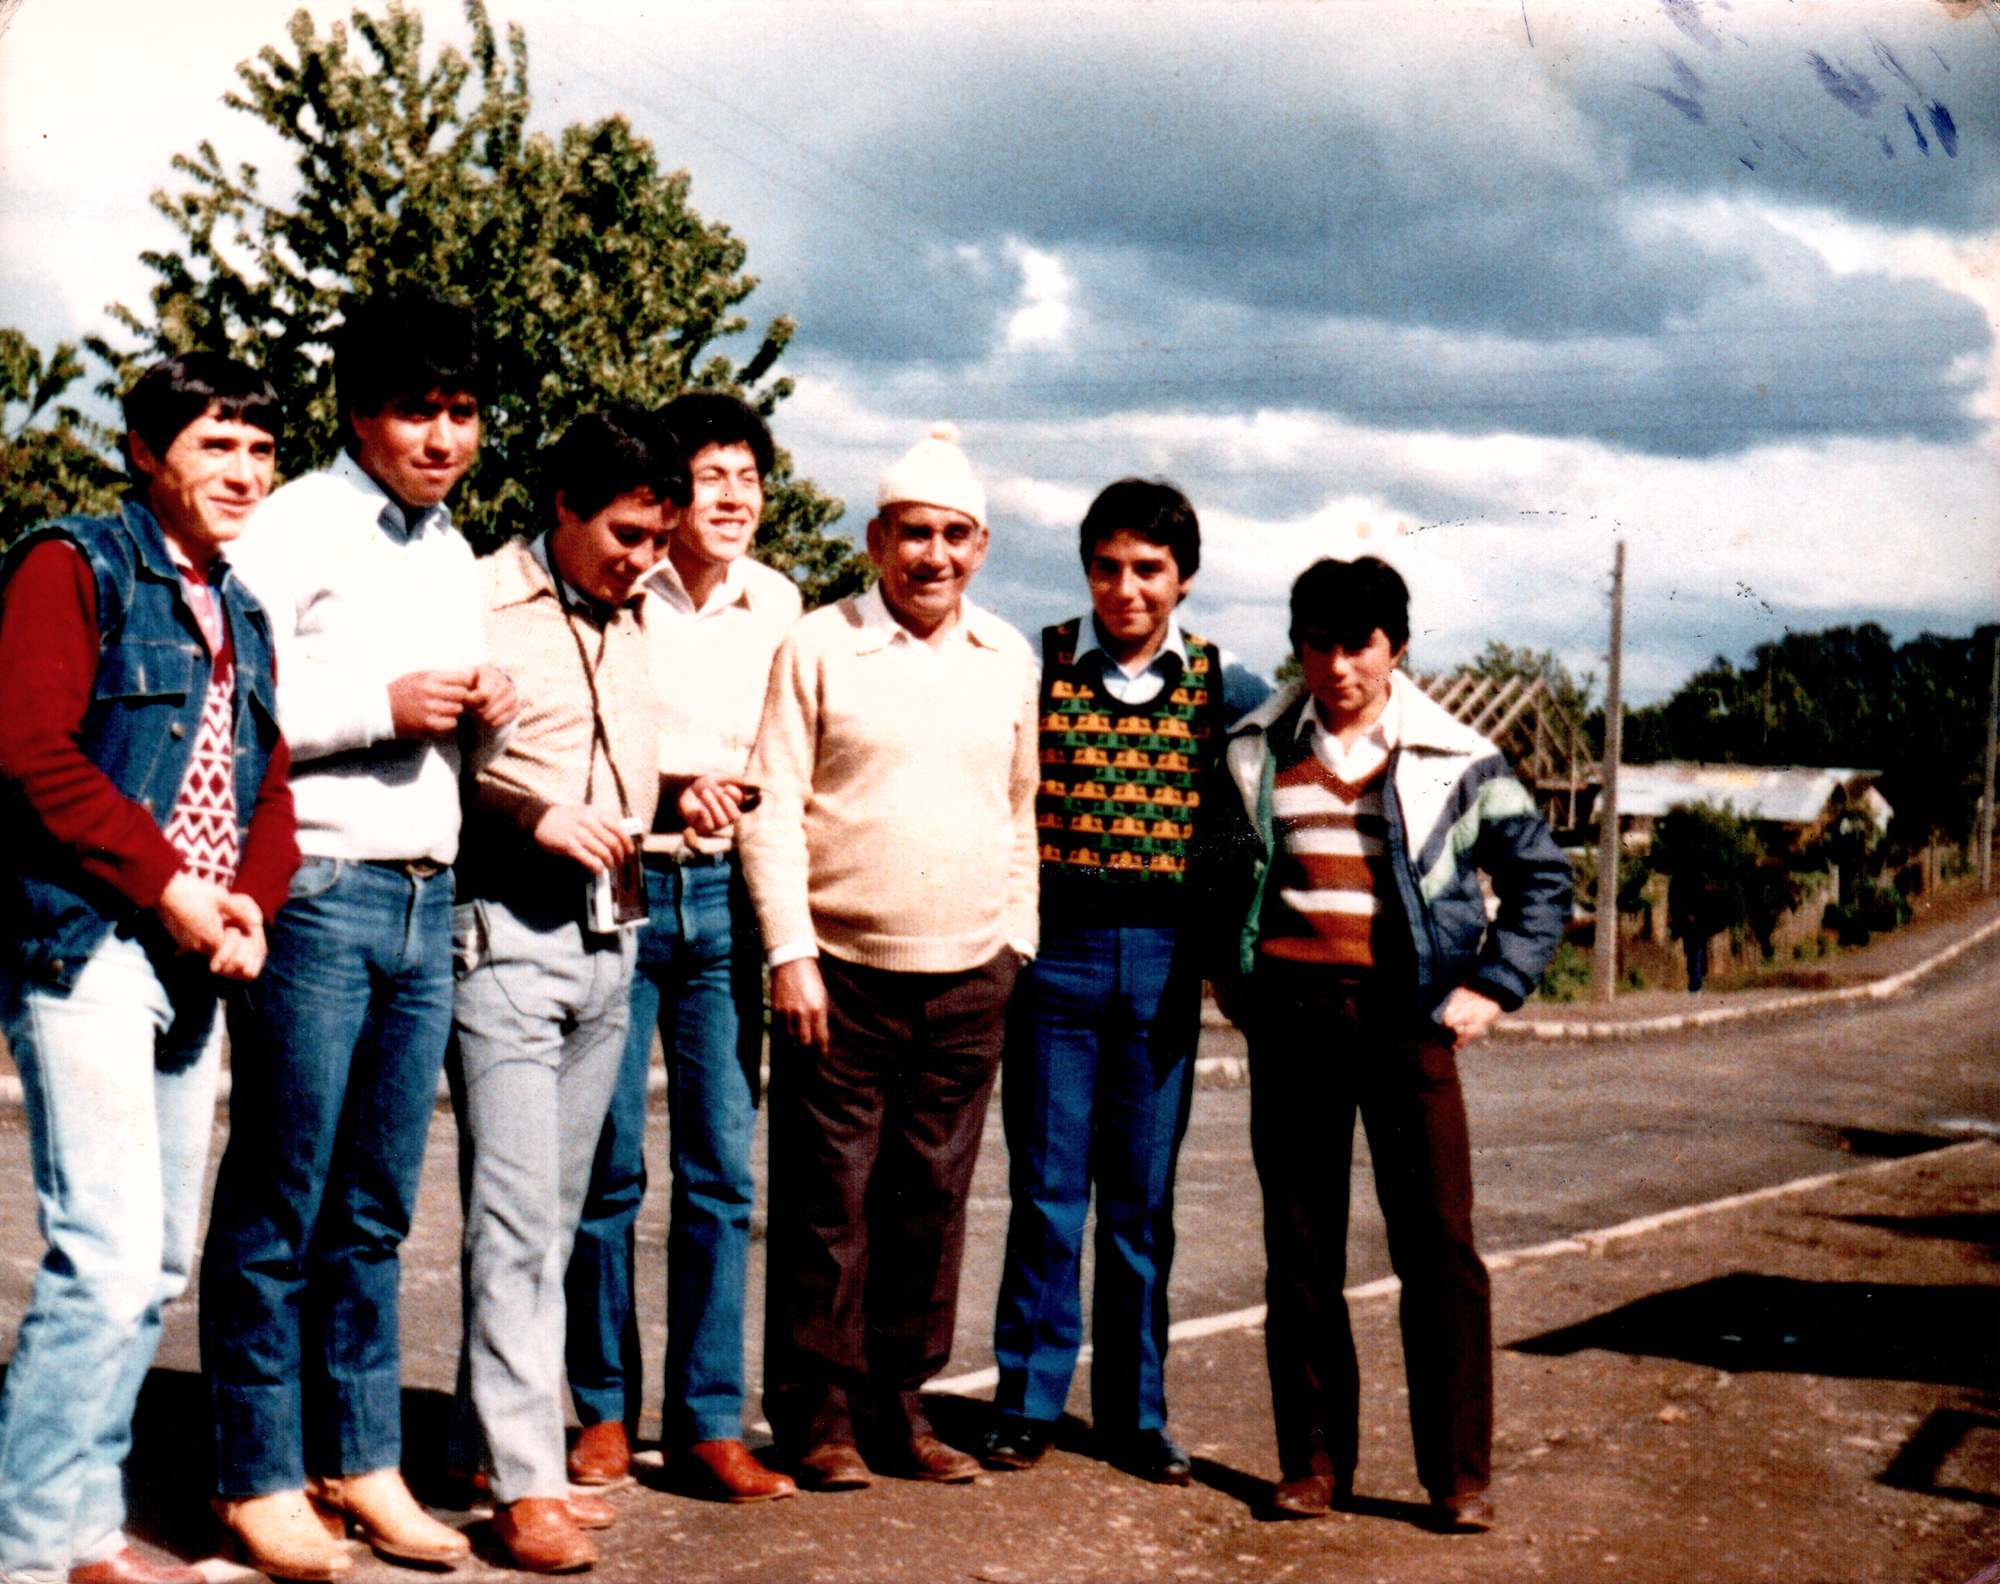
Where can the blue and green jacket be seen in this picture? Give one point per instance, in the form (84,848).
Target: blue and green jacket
(1452,809)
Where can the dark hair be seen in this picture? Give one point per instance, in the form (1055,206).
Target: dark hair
(407,341)
(611,452)
(1347,600)
(177,390)
(706,418)
(1157,512)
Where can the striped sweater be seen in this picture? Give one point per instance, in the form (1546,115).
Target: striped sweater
(1331,876)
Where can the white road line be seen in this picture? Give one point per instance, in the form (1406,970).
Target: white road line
(1582,1243)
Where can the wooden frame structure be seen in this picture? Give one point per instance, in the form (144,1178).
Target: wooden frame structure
(1540,738)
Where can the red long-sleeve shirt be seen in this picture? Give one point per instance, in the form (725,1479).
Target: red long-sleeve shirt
(48,658)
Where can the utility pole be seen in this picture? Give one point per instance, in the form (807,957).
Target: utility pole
(1604,960)
(1992,637)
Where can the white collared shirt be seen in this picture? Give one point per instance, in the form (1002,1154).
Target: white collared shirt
(358,596)
(968,626)
(710,667)
(1356,763)
(1145,684)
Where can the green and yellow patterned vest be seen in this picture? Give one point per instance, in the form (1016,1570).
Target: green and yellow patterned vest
(1121,786)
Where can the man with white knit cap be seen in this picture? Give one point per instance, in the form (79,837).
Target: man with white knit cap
(893,867)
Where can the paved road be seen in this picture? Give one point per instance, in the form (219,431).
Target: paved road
(1569,1137)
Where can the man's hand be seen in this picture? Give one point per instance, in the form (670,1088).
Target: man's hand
(1231,998)
(590,836)
(241,954)
(710,804)
(1468,1015)
(194,913)
(429,703)
(493,697)
(798,999)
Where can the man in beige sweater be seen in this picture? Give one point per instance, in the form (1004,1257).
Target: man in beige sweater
(893,867)
(545,953)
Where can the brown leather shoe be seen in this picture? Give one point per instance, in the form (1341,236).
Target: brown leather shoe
(1313,1493)
(740,1476)
(590,1512)
(602,1455)
(282,1537)
(834,1466)
(381,1510)
(541,1537)
(925,1457)
(1468,1513)
(133,1566)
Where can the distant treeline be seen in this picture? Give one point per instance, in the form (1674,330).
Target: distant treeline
(1847,696)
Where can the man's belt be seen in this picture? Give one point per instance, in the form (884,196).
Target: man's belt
(415,868)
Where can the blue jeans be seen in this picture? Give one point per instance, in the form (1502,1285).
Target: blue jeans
(698,982)
(1098,1080)
(119,1076)
(335,1064)
(540,1021)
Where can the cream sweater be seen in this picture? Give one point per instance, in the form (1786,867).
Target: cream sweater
(897,828)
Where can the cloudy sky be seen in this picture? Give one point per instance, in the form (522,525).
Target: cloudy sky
(1480,288)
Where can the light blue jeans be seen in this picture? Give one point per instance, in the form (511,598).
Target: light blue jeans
(540,1019)
(119,1077)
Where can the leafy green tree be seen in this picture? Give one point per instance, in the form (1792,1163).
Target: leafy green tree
(52,458)
(582,255)
(1505,663)
(1846,696)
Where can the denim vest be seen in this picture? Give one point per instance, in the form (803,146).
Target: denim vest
(152,682)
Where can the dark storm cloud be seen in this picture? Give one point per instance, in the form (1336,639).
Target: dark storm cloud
(1790,350)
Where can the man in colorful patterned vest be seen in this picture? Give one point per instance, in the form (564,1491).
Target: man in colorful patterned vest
(148,835)
(1358,815)
(1100,1060)
(892,864)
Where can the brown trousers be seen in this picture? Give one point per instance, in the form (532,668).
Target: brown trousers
(872,1151)
(1322,1047)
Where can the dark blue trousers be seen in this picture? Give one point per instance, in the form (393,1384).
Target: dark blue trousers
(1097,1083)
(698,981)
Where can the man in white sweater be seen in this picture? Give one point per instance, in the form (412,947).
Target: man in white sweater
(384,689)
(893,867)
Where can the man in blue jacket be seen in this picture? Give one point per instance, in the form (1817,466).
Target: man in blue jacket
(1366,958)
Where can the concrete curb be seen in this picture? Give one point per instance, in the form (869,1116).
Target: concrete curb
(1230,1070)
(1678,1022)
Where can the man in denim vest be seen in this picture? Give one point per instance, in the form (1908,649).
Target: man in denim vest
(148,836)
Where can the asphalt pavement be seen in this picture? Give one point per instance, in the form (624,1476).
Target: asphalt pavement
(1831,1353)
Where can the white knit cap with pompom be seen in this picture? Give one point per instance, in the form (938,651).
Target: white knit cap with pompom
(935,473)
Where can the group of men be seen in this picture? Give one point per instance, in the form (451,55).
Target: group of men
(400,812)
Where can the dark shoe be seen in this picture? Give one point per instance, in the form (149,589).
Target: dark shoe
(133,1566)
(1153,1455)
(834,1466)
(1313,1493)
(541,1537)
(1470,1513)
(925,1457)
(729,1465)
(602,1455)
(1017,1443)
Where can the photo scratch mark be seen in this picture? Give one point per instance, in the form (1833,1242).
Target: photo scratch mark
(1923,143)
(1745,591)
(1848,84)
(1686,15)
